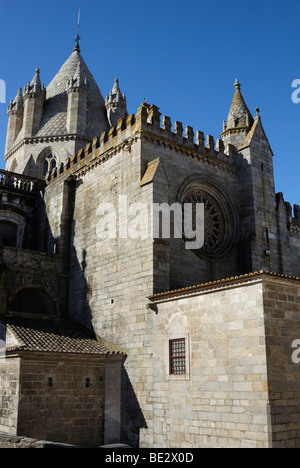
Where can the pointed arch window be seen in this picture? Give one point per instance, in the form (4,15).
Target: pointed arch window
(50,163)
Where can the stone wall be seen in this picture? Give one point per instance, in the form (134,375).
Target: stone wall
(65,409)
(23,269)
(109,279)
(282,322)
(9,397)
(222,400)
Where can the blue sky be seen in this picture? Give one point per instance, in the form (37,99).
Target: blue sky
(184,56)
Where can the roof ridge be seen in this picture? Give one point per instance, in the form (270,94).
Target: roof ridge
(221,282)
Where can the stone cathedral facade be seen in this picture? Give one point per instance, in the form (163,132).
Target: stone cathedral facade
(134,338)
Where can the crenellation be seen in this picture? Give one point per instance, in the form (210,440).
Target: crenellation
(143,120)
(220,147)
(112,133)
(297,213)
(210,142)
(154,116)
(178,129)
(200,140)
(121,125)
(166,124)
(230,150)
(189,134)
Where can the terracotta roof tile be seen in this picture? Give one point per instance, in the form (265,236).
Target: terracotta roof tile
(197,287)
(45,335)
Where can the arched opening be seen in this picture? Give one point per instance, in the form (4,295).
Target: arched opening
(32,301)
(8,233)
(14,166)
(50,163)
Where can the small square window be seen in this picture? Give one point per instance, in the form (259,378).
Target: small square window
(177,356)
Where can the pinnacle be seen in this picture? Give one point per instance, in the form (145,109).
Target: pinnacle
(77,48)
(239,115)
(237,84)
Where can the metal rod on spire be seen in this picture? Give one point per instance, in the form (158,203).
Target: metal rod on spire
(77,37)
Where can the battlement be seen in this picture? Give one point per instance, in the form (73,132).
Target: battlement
(293,221)
(148,121)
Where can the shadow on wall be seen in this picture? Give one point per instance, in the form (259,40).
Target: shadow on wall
(75,303)
(132,417)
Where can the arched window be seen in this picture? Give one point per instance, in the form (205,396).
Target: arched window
(50,163)
(14,166)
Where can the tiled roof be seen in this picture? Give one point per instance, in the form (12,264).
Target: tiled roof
(199,287)
(45,335)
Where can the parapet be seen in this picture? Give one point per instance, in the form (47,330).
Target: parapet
(292,222)
(148,121)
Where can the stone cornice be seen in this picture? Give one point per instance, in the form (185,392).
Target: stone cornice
(213,286)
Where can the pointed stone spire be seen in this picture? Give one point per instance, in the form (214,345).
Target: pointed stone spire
(34,97)
(78,80)
(35,86)
(239,120)
(36,81)
(116,104)
(239,114)
(116,93)
(17,103)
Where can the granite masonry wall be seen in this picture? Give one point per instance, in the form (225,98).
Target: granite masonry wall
(110,279)
(282,322)
(222,400)
(66,410)
(241,384)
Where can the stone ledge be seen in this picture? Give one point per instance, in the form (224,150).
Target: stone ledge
(12,441)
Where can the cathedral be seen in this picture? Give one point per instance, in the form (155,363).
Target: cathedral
(111,334)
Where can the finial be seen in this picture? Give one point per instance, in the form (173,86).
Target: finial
(77,37)
(237,84)
(257,110)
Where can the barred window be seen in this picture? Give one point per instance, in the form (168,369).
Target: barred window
(177,356)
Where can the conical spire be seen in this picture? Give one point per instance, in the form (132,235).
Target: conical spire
(35,85)
(19,101)
(239,114)
(239,121)
(116,104)
(78,80)
(115,95)
(36,81)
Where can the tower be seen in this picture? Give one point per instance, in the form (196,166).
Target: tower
(257,247)
(34,97)
(47,126)
(77,102)
(15,114)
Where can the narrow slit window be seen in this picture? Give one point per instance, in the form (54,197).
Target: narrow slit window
(177,356)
